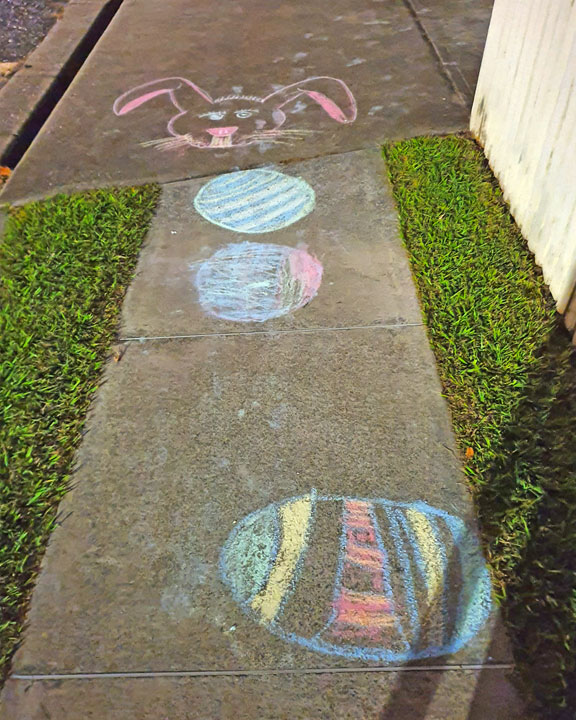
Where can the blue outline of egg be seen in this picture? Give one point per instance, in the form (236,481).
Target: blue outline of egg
(468,623)
(251,196)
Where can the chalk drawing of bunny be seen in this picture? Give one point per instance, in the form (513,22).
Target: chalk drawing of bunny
(236,120)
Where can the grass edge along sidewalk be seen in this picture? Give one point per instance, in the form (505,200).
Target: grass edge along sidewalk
(65,264)
(508,371)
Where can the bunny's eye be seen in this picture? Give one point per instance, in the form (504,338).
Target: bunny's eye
(245,113)
(215,115)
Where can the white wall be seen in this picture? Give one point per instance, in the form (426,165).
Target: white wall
(524,115)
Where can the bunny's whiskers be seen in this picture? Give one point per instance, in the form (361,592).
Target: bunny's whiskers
(170,143)
(267,139)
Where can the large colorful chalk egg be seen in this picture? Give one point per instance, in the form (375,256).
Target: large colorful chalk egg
(255,201)
(360,578)
(254,282)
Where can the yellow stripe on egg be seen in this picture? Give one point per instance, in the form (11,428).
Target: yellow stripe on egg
(430,551)
(295,518)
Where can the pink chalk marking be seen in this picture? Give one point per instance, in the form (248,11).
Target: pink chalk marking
(358,512)
(222,132)
(255,282)
(133,98)
(363,615)
(329,106)
(307,270)
(133,104)
(363,608)
(367,557)
(361,534)
(361,548)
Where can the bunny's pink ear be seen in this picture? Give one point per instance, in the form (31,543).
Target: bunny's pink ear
(176,87)
(320,89)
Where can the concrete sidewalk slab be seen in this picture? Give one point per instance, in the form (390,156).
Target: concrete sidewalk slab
(353,231)
(189,437)
(449,695)
(457,29)
(250,49)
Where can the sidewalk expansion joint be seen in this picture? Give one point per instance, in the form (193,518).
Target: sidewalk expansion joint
(255,673)
(443,65)
(145,338)
(295,160)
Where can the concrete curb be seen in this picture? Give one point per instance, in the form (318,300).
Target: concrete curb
(30,95)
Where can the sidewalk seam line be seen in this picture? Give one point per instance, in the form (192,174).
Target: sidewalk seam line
(144,338)
(296,160)
(436,51)
(279,671)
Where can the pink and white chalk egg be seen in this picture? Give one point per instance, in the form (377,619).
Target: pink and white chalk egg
(255,282)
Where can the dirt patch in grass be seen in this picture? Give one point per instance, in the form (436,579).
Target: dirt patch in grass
(509,374)
(64,267)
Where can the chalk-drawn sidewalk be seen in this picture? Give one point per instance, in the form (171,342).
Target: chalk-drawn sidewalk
(269,517)
(270,483)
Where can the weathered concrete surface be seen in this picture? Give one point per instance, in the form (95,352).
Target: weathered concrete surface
(374,696)
(353,231)
(457,29)
(375,47)
(186,439)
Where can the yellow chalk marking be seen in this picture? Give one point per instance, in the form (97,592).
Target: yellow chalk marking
(428,546)
(295,517)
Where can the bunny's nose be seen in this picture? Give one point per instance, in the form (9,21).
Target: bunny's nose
(222,131)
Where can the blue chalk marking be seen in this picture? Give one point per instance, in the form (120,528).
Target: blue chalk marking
(244,563)
(474,604)
(237,553)
(386,569)
(421,564)
(255,201)
(406,565)
(339,573)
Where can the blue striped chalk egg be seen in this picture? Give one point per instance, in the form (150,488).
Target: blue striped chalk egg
(255,201)
(254,282)
(369,579)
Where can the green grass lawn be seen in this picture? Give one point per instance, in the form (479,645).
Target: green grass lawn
(509,374)
(64,267)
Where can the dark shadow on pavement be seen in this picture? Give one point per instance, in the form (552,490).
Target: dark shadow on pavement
(415,691)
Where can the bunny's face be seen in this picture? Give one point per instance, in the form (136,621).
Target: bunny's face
(235,120)
(229,122)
